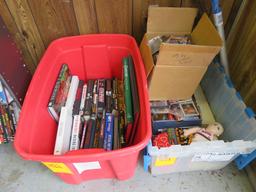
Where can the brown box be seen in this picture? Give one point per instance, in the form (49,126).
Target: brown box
(179,68)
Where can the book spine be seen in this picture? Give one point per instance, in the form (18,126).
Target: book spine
(101,90)
(83,135)
(95,100)
(83,97)
(102,128)
(7,123)
(108,138)
(62,141)
(89,100)
(63,93)
(127,92)
(116,142)
(121,108)
(60,77)
(88,134)
(93,130)
(121,126)
(4,127)
(10,119)
(108,96)
(76,129)
(72,92)
(76,107)
(54,107)
(2,136)
(97,133)
(114,94)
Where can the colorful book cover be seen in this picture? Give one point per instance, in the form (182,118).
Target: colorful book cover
(3,127)
(55,102)
(7,123)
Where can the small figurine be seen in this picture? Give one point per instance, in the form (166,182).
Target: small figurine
(210,133)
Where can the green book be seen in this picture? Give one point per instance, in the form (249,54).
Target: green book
(127,91)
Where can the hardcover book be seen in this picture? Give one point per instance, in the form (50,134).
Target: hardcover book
(57,97)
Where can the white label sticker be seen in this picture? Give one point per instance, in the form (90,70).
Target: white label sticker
(214,156)
(81,167)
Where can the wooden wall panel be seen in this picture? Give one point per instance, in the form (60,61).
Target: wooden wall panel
(114,16)
(226,8)
(242,57)
(24,20)
(53,18)
(86,16)
(18,37)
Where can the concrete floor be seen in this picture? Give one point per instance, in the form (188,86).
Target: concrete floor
(26,176)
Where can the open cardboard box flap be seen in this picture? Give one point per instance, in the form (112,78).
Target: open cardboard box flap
(179,68)
(170,19)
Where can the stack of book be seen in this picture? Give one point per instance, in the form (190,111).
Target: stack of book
(9,114)
(98,113)
(170,118)
(174,110)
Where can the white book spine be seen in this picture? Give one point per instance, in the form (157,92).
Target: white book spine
(63,132)
(72,92)
(74,143)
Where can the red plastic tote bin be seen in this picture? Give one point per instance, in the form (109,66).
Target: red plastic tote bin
(89,57)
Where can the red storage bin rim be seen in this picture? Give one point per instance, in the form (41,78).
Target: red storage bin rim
(82,155)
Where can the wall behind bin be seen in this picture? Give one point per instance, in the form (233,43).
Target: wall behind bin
(35,23)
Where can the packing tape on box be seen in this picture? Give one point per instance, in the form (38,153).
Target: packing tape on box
(165,162)
(57,167)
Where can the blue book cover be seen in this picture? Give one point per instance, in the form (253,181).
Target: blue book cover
(108,136)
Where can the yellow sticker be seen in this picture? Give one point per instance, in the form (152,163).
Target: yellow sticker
(58,167)
(164,162)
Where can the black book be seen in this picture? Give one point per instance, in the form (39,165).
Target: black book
(88,134)
(101,95)
(89,100)
(93,130)
(108,96)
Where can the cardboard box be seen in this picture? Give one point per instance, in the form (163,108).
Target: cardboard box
(179,68)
